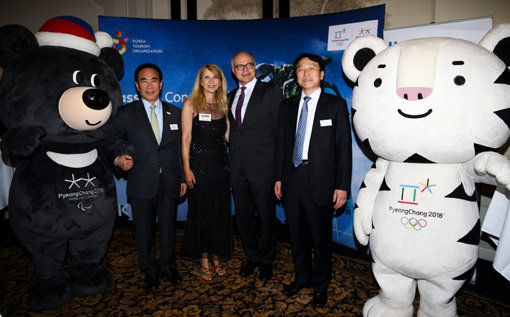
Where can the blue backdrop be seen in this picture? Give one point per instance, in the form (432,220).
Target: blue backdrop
(180,48)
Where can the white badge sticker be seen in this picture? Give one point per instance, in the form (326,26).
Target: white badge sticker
(204,117)
(174,126)
(326,123)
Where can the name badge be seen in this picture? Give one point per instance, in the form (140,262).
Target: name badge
(326,123)
(204,117)
(174,126)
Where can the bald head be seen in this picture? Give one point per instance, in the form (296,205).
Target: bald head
(242,55)
(243,67)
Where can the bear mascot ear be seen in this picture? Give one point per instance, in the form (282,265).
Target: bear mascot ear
(359,53)
(497,41)
(15,41)
(109,55)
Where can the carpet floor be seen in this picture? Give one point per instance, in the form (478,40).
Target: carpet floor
(229,295)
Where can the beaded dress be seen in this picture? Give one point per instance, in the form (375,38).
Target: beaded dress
(208,225)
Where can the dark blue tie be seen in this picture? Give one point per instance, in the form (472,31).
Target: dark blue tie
(297,156)
(239,107)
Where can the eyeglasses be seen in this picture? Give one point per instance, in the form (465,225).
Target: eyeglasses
(243,66)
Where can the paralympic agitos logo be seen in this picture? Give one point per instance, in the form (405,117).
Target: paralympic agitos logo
(82,191)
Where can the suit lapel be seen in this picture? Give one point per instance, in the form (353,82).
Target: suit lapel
(142,114)
(321,112)
(142,117)
(293,118)
(230,102)
(168,116)
(253,103)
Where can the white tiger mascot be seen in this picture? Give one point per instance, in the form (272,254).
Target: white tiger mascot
(433,110)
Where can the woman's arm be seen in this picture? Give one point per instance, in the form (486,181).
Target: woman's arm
(187,124)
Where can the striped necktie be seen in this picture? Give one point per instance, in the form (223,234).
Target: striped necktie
(297,156)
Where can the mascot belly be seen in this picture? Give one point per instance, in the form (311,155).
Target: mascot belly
(434,111)
(418,206)
(79,202)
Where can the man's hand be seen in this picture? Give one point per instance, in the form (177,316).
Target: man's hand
(339,198)
(125,162)
(183,189)
(278,189)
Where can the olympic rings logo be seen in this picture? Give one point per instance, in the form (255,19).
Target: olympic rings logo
(413,223)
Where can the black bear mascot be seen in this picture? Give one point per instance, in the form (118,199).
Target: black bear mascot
(58,95)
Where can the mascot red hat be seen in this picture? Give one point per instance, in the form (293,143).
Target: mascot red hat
(74,33)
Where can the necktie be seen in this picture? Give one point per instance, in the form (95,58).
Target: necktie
(297,156)
(239,107)
(154,123)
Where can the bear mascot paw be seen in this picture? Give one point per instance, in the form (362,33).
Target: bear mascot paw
(58,95)
(434,111)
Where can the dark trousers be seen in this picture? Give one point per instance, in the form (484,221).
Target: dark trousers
(255,215)
(144,216)
(309,227)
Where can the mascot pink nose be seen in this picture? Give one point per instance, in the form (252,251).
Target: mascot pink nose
(414,93)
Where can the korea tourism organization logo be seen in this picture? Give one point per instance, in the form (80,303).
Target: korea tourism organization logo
(135,45)
(410,205)
(119,43)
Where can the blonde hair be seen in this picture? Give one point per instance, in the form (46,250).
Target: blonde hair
(197,97)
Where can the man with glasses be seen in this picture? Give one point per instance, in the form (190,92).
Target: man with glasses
(254,108)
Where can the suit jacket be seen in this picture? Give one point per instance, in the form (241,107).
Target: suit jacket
(329,153)
(252,145)
(132,126)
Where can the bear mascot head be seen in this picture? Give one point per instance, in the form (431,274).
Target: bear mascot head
(58,94)
(433,110)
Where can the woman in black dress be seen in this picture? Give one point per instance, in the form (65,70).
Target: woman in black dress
(205,128)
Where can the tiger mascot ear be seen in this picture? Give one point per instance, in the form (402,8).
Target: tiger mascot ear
(497,41)
(359,53)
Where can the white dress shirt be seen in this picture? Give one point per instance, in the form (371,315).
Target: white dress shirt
(312,106)
(247,94)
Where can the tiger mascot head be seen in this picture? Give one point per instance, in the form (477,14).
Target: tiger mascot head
(431,100)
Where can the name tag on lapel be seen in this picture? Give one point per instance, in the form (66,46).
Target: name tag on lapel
(326,123)
(204,117)
(174,126)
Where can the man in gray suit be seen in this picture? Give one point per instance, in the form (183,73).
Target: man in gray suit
(155,178)
(253,116)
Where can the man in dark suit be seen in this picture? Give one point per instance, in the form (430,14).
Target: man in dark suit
(313,173)
(253,116)
(155,178)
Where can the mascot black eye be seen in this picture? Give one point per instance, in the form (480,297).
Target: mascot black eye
(77,77)
(459,80)
(377,82)
(95,80)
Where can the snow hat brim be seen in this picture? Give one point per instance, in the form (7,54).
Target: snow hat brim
(71,32)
